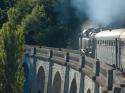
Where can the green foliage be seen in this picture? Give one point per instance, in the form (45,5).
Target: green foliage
(24,7)
(43,28)
(11,48)
(2,57)
(3,17)
(4,7)
(35,25)
(46,26)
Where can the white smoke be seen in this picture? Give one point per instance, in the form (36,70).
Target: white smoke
(88,24)
(79,5)
(102,11)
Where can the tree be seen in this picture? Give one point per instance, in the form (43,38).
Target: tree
(3,17)
(4,7)
(52,23)
(12,46)
(2,57)
(13,50)
(40,28)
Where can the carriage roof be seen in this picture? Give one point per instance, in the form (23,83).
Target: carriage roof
(110,34)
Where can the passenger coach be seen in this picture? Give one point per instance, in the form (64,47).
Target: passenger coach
(110,47)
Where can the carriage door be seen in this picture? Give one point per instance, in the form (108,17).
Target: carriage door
(118,53)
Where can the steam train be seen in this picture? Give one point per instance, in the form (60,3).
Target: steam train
(106,45)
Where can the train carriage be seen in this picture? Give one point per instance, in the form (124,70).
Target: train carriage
(108,47)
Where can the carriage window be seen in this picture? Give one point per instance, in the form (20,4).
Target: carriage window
(101,42)
(105,42)
(122,43)
(109,42)
(113,43)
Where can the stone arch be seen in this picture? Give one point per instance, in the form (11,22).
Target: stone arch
(40,84)
(57,83)
(117,90)
(73,87)
(88,91)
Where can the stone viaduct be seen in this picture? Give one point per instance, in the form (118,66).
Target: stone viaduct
(53,70)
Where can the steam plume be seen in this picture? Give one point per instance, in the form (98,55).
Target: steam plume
(104,12)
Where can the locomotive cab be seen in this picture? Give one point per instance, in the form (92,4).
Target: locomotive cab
(87,42)
(83,41)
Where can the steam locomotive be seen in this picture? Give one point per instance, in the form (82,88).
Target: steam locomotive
(106,45)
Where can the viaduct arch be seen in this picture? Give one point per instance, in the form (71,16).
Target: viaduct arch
(57,83)
(73,87)
(88,91)
(40,80)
